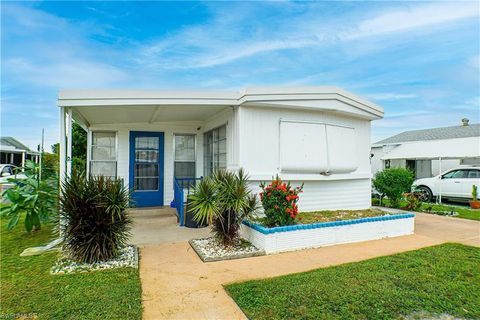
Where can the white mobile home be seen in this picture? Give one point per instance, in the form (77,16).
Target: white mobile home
(316,135)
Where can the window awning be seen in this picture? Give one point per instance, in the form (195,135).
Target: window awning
(434,149)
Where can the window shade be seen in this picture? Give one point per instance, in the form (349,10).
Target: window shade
(303,147)
(307,147)
(342,149)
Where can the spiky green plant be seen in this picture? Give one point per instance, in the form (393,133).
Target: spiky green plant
(94,221)
(224,201)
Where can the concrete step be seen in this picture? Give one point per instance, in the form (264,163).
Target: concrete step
(155,220)
(155,212)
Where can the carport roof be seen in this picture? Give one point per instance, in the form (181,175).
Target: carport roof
(84,102)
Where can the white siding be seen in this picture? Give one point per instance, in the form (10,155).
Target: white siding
(349,194)
(123,150)
(259,155)
(253,143)
(259,137)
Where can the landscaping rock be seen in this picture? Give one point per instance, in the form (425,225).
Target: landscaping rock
(209,249)
(34,251)
(127,258)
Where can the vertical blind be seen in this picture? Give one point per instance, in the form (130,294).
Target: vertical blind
(215,149)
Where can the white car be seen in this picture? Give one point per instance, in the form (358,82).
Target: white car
(8,171)
(454,184)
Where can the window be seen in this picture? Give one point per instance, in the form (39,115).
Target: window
(184,164)
(146,164)
(455,174)
(387,164)
(215,150)
(103,154)
(7,171)
(473,174)
(311,147)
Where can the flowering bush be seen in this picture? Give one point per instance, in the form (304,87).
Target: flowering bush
(279,200)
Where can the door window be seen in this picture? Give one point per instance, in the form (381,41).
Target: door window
(455,174)
(473,174)
(146,164)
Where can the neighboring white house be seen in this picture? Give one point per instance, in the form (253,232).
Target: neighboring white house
(14,152)
(316,135)
(429,151)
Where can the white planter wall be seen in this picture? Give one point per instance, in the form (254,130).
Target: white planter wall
(297,237)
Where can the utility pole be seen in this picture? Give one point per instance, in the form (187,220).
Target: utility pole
(41,154)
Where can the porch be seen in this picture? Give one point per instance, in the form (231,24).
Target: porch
(154,226)
(148,139)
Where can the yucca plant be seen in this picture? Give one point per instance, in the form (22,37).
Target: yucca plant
(94,222)
(223,201)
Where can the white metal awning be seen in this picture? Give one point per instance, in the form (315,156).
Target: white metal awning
(446,149)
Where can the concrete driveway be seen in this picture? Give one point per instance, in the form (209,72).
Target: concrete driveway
(176,284)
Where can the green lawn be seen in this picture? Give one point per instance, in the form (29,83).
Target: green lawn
(443,279)
(27,287)
(463,212)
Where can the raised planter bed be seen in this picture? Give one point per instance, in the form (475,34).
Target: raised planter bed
(209,250)
(302,236)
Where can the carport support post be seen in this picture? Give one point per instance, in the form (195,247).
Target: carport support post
(69,143)
(439,198)
(65,143)
(23,160)
(65,149)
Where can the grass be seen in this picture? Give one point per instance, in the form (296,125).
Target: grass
(28,290)
(436,280)
(463,212)
(329,215)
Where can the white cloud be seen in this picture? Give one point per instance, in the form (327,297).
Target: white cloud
(412,17)
(70,73)
(218,42)
(390,96)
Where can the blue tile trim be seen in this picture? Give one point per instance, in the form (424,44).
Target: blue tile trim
(265,230)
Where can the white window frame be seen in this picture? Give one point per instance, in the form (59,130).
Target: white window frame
(205,141)
(194,151)
(90,148)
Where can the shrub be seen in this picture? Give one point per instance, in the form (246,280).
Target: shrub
(94,221)
(224,201)
(393,183)
(474,192)
(413,200)
(36,199)
(279,200)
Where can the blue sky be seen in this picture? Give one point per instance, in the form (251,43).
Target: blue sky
(418,60)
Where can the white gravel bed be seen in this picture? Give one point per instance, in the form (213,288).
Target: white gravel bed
(209,249)
(127,258)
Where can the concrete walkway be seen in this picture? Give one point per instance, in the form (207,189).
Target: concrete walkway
(176,284)
(153,226)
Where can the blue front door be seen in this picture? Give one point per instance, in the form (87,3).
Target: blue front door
(146,168)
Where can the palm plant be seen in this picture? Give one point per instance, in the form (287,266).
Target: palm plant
(94,221)
(223,201)
(32,197)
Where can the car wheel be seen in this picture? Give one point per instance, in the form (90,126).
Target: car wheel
(425,194)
